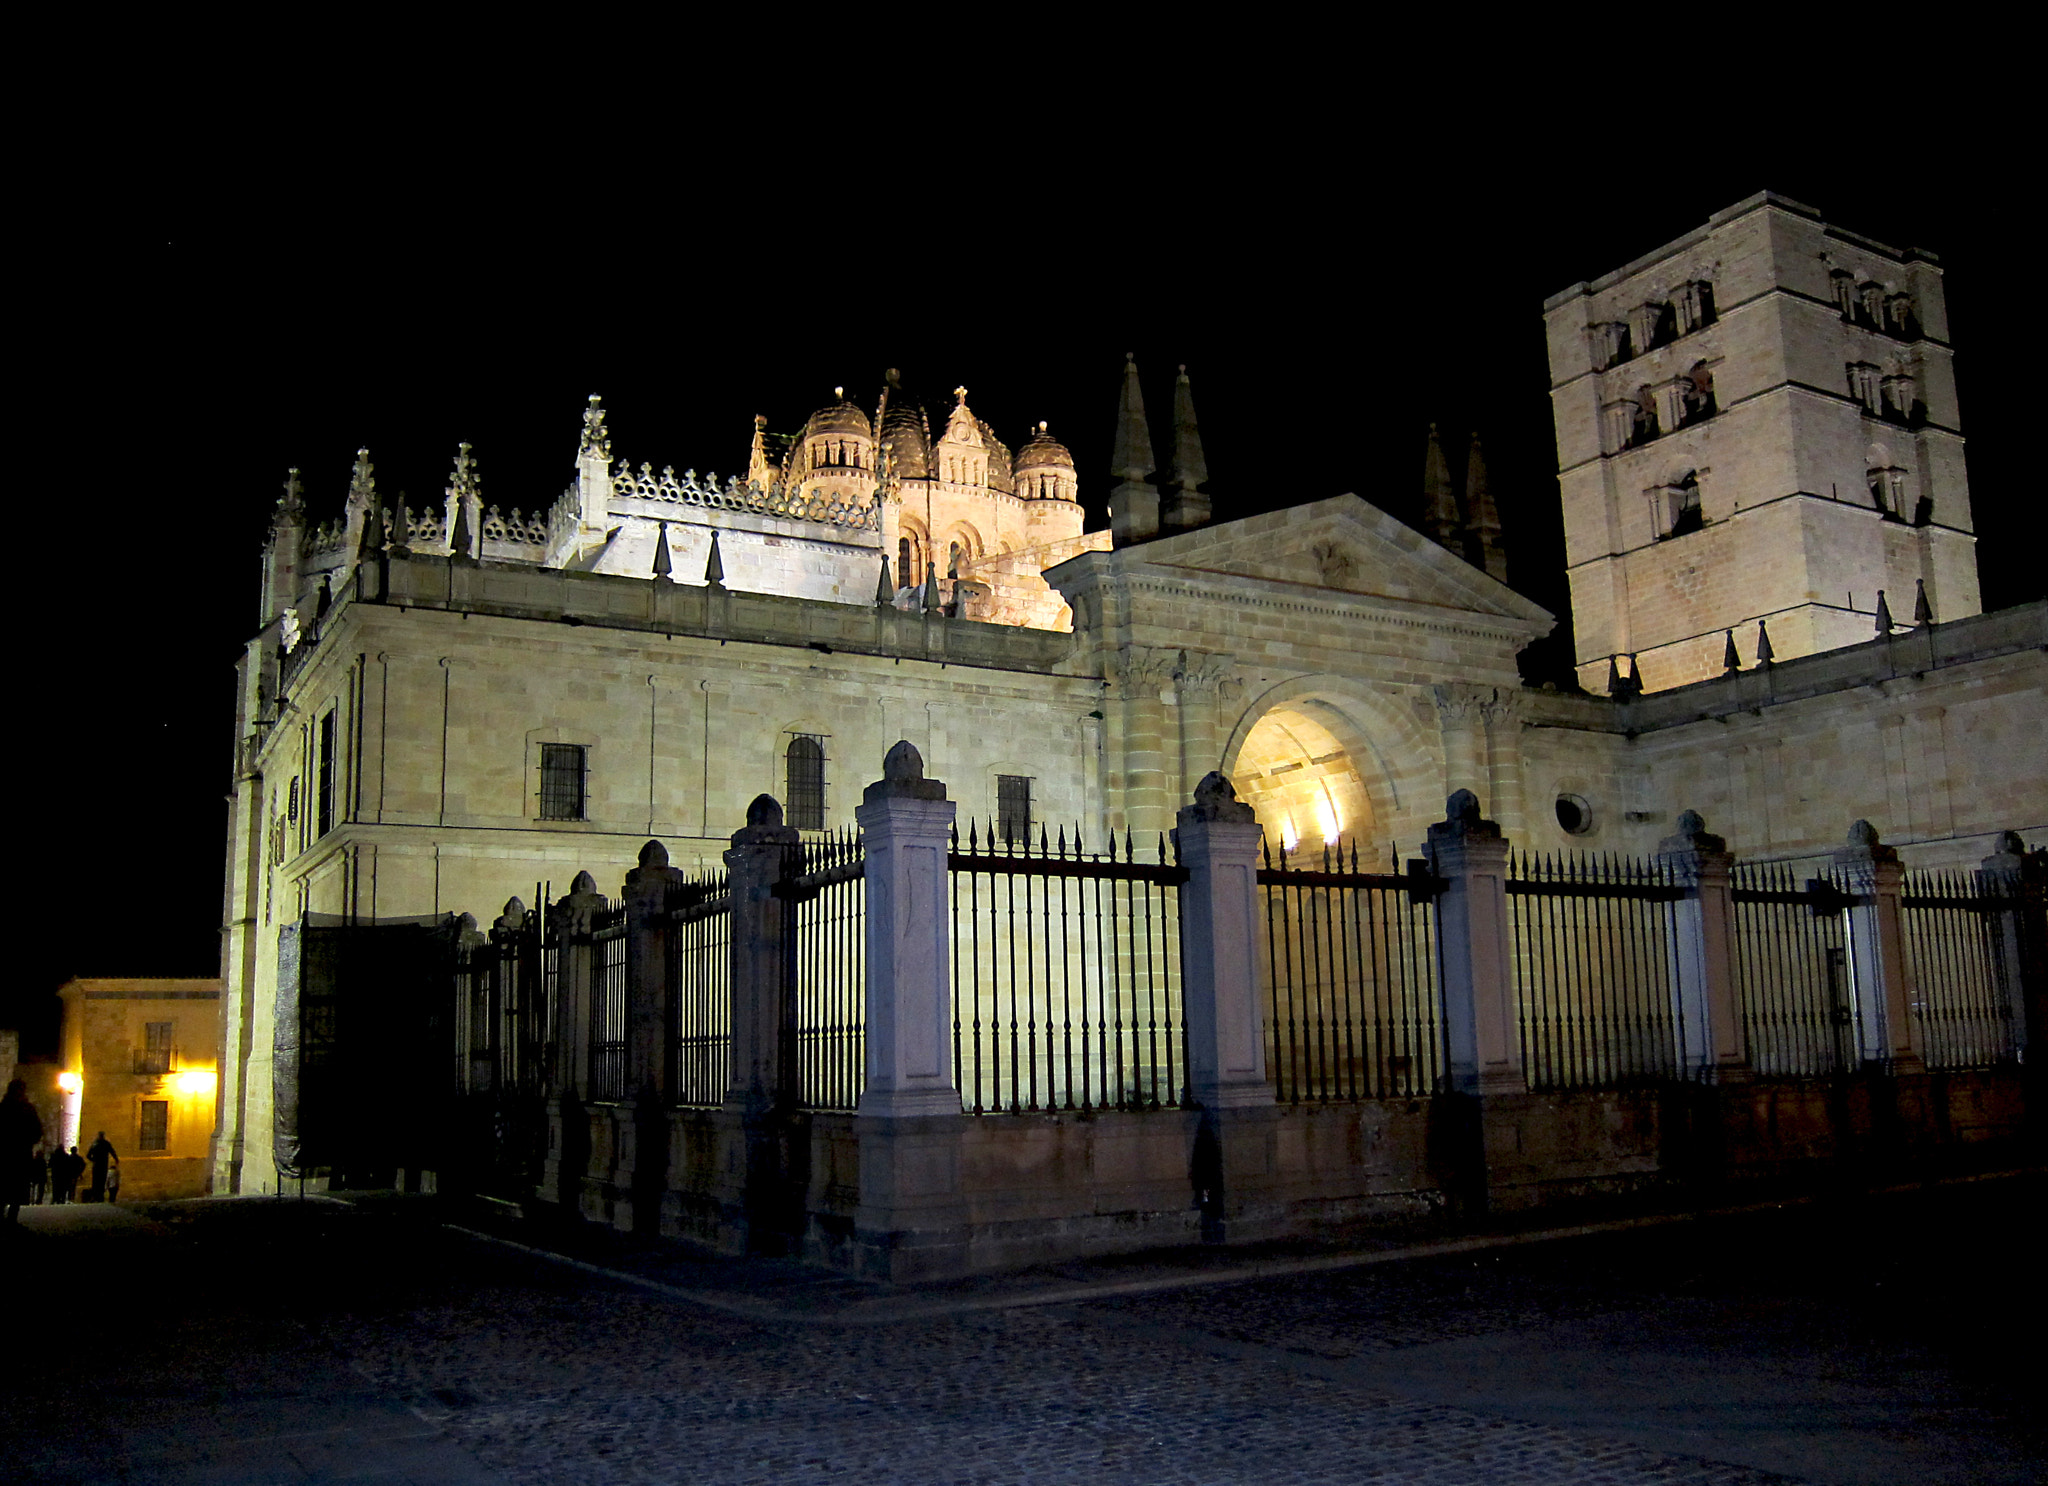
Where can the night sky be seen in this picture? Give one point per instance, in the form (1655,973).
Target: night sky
(246,298)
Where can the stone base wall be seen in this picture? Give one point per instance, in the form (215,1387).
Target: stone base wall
(904,1199)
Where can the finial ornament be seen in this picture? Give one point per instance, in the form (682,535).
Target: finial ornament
(714,565)
(464,489)
(1764,654)
(1923,610)
(597,440)
(1439,501)
(885,588)
(1884,614)
(663,565)
(293,501)
(1731,659)
(960,396)
(1216,799)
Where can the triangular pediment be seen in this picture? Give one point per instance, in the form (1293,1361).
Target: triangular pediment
(1343,545)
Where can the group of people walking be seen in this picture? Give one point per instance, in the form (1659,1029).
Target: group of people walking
(30,1176)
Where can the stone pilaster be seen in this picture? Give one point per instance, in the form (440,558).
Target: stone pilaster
(1197,683)
(1220,935)
(1474,950)
(2018,940)
(1147,766)
(1709,1020)
(1877,953)
(1500,718)
(1460,725)
(568,1157)
(905,820)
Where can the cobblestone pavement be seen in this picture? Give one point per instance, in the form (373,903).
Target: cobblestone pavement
(287,1342)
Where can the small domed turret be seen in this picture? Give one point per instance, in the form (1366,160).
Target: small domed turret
(839,451)
(1045,468)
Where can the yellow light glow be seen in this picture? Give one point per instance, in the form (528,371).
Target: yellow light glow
(70,1083)
(196,1081)
(1289,837)
(1326,817)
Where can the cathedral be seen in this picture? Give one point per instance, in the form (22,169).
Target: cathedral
(1772,578)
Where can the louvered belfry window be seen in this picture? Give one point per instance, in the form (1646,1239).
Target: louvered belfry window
(803,772)
(561,781)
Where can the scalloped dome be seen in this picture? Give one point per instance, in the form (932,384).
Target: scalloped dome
(841,417)
(1043,451)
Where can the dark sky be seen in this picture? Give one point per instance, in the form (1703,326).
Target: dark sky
(253,296)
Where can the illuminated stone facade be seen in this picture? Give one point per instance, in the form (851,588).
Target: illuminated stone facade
(497,703)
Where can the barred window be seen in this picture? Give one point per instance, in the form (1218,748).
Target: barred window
(156,1125)
(803,772)
(561,781)
(1013,807)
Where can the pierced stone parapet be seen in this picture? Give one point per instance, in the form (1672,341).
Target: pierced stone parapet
(736,495)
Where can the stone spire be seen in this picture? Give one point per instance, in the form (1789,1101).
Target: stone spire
(714,565)
(1132,461)
(930,599)
(1134,504)
(1731,659)
(1483,516)
(1923,610)
(465,491)
(1439,502)
(1884,614)
(885,587)
(663,564)
(1764,654)
(1187,506)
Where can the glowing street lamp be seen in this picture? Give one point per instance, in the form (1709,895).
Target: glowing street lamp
(70,1083)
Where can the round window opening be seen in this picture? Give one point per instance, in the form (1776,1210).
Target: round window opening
(1574,815)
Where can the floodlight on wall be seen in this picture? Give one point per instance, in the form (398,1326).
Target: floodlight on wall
(1326,817)
(197,1081)
(70,1083)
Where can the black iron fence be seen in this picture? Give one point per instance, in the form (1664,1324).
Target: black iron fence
(699,996)
(1353,1007)
(1066,974)
(608,1032)
(1596,977)
(1791,971)
(1961,1002)
(826,880)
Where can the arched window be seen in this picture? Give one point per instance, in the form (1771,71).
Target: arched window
(953,556)
(906,558)
(803,775)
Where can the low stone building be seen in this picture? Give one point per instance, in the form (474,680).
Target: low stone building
(140,1063)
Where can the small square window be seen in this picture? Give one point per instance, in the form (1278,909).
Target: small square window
(156,1125)
(561,781)
(1013,807)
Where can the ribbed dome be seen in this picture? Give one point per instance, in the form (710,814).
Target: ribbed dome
(841,417)
(905,436)
(1043,451)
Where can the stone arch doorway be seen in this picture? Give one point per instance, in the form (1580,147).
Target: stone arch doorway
(1319,766)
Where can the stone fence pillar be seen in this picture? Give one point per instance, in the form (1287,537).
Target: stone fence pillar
(651,889)
(2017,938)
(1220,936)
(1474,951)
(763,932)
(905,820)
(1709,1020)
(574,917)
(1877,952)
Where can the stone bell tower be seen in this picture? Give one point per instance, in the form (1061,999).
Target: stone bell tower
(1756,433)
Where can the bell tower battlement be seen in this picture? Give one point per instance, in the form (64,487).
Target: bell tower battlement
(1756,426)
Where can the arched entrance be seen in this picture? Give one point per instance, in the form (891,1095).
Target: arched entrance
(1295,772)
(1323,761)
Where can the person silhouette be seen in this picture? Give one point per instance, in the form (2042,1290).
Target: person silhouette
(99,1153)
(20,1130)
(65,1169)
